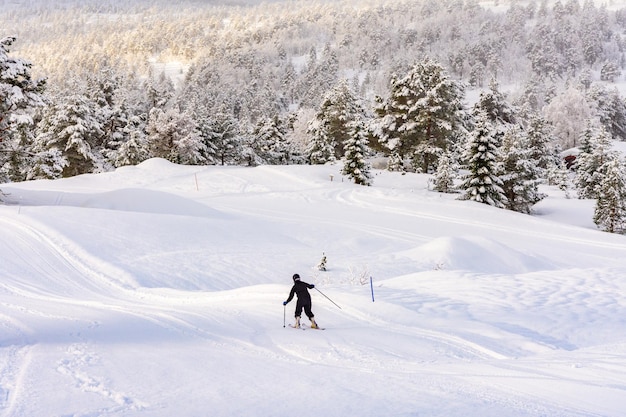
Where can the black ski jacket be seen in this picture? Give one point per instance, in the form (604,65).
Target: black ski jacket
(301,290)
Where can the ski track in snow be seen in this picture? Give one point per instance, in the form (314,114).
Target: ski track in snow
(359,199)
(79,359)
(15,355)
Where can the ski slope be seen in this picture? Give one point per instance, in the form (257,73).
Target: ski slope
(157,290)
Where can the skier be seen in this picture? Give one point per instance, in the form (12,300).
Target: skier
(301,290)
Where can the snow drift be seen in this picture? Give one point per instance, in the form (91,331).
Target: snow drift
(476,254)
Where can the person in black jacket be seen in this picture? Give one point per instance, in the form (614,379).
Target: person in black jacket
(301,290)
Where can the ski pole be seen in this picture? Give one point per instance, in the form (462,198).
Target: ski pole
(284,314)
(328,298)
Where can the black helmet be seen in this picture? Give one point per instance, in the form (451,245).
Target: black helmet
(296,277)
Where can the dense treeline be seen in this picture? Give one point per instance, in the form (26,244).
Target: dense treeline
(300,81)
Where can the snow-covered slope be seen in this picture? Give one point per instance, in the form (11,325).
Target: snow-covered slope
(157,290)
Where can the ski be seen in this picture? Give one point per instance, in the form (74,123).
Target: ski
(304,328)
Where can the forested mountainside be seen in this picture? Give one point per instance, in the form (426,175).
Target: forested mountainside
(279,82)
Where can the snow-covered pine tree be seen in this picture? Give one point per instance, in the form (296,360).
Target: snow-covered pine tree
(610,109)
(395,162)
(590,165)
(17,156)
(322,264)
(160,132)
(520,174)
(221,135)
(482,183)
(587,137)
(72,127)
(47,164)
(610,71)
(538,139)
(332,124)
(355,166)
(320,148)
(135,149)
(108,90)
(319,76)
(159,90)
(445,175)
(610,210)
(557,174)
(500,113)
(19,96)
(204,125)
(189,145)
(269,141)
(425,107)
(172,135)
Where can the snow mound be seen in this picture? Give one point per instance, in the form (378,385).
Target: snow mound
(476,254)
(156,165)
(123,199)
(149,201)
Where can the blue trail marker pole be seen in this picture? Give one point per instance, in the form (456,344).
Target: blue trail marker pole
(372,287)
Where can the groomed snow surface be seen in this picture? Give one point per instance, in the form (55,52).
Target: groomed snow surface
(157,290)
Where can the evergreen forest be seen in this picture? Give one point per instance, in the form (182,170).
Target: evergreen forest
(485,96)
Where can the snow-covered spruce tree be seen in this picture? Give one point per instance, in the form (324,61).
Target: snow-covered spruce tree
(319,76)
(102,88)
(17,156)
(172,135)
(538,139)
(47,164)
(500,113)
(446,173)
(610,109)
(610,210)
(321,266)
(424,108)
(320,148)
(590,165)
(161,131)
(19,96)
(72,127)
(332,124)
(557,174)
(223,134)
(520,174)
(269,141)
(395,163)
(135,149)
(190,148)
(355,166)
(587,137)
(110,89)
(482,183)
(610,71)
(205,126)
(159,90)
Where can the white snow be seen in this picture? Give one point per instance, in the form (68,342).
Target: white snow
(157,290)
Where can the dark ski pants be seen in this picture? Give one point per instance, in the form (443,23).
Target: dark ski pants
(306,305)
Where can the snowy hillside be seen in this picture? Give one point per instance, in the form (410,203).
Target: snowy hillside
(157,290)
